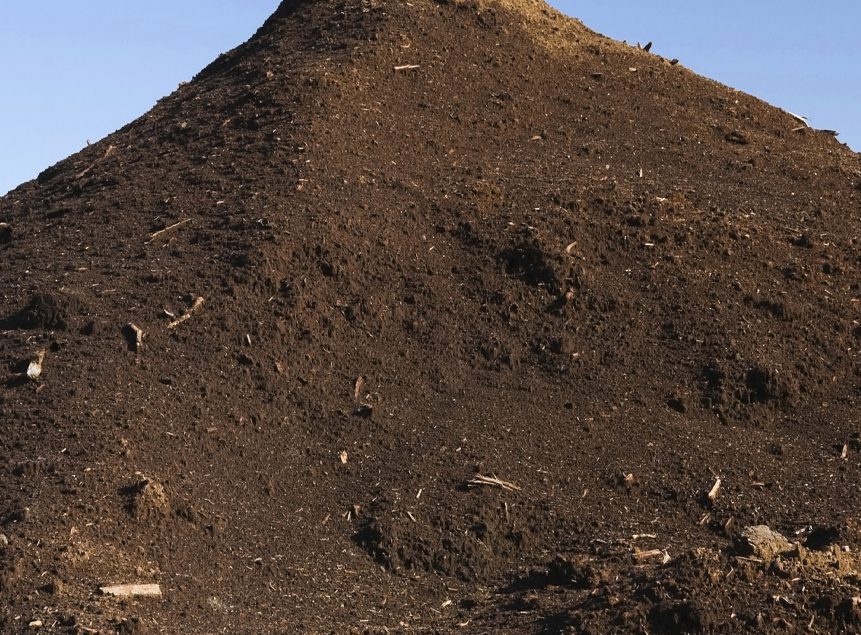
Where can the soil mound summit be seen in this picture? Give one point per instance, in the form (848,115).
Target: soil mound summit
(435,317)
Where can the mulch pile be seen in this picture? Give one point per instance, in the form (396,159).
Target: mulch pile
(435,317)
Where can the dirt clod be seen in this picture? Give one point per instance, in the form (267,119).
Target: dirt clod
(762,542)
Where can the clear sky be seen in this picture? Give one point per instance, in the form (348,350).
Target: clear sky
(75,71)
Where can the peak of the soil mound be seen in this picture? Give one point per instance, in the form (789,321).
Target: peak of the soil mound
(434,316)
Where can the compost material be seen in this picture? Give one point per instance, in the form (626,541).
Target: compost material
(435,317)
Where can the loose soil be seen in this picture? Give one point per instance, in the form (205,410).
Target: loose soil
(435,241)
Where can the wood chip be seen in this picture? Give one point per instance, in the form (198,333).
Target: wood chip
(343,456)
(492,481)
(358,389)
(132,590)
(715,491)
(135,337)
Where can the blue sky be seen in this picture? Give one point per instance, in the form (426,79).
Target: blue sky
(75,71)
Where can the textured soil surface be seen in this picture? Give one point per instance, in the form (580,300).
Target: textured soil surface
(435,242)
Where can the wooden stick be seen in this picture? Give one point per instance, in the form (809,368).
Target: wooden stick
(641,556)
(86,170)
(129,590)
(182,318)
(798,118)
(493,482)
(154,235)
(406,67)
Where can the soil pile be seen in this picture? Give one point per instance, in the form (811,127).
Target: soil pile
(435,317)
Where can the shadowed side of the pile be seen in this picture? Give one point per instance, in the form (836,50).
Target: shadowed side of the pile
(434,317)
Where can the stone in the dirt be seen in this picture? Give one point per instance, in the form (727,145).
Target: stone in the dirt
(762,542)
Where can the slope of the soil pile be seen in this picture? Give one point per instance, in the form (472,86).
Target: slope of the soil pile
(435,242)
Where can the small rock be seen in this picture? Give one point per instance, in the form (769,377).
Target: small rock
(4,541)
(762,542)
(34,369)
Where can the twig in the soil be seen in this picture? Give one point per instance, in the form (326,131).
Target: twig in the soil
(492,481)
(155,235)
(844,453)
(86,170)
(358,389)
(182,318)
(406,67)
(714,492)
(129,590)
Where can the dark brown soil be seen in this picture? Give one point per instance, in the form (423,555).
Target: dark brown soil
(537,255)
